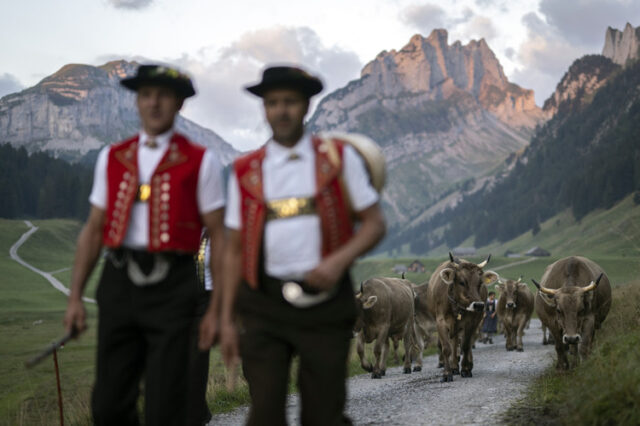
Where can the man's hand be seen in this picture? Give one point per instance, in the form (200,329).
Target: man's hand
(208,332)
(75,317)
(229,344)
(327,274)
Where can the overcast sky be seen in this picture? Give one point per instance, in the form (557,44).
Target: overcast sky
(225,44)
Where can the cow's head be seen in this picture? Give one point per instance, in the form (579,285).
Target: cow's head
(572,305)
(509,290)
(365,300)
(466,282)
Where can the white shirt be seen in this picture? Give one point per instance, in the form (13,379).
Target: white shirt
(293,245)
(210,189)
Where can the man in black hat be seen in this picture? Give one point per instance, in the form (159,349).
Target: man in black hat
(151,196)
(291,241)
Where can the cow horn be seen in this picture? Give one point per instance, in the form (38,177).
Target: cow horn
(519,279)
(454,259)
(545,290)
(483,264)
(592,284)
(361,282)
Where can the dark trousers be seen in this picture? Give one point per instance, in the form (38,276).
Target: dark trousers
(198,411)
(268,342)
(144,333)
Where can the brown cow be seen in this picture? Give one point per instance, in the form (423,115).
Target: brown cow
(573,300)
(385,310)
(455,297)
(515,306)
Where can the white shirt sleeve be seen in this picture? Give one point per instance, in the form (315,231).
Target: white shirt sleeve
(210,184)
(98,196)
(232,219)
(361,192)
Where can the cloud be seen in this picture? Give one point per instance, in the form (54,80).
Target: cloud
(480,27)
(9,84)
(584,21)
(130,4)
(544,57)
(223,105)
(425,17)
(510,53)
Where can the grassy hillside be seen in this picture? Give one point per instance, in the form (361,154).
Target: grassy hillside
(603,390)
(606,233)
(31,313)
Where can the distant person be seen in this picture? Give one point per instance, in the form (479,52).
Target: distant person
(490,324)
(290,244)
(152,194)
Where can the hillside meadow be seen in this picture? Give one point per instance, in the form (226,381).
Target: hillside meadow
(31,309)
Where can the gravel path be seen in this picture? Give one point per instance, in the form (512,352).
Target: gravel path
(13,252)
(499,379)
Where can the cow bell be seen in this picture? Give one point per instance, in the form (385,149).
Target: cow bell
(370,153)
(296,296)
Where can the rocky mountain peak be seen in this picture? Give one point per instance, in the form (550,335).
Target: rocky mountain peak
(584,77)
(444,114)
(118,70)
(431,65)
(79,109)
(621,46)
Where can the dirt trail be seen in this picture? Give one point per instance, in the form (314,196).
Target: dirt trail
(13,252)
(499,379)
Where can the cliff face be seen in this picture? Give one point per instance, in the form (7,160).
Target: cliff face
(584,77)
(444,114)
(81,108)
(622,46)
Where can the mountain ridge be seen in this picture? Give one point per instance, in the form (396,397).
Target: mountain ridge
(79,109)
(443,114)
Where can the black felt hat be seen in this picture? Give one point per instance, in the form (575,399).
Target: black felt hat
(161,76)
(287,77)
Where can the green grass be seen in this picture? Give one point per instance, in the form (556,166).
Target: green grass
(602,233)
(31,314)
(603,390)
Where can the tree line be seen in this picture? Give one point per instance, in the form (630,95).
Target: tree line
(39,186)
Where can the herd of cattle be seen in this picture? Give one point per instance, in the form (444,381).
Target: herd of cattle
(572,301)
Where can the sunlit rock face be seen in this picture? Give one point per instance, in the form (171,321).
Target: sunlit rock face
(445,115)
(81,108)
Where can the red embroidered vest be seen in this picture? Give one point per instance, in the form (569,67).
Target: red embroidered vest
(331,200)
(174,220)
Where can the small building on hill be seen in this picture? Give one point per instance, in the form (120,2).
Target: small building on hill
(416,266)
(537,252)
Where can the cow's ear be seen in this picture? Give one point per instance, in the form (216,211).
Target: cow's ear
(548,299)
(500,286)
(448,275)
(490,277)
(368,304)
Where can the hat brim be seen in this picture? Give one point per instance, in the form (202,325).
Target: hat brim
(308,87)
(184,88)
